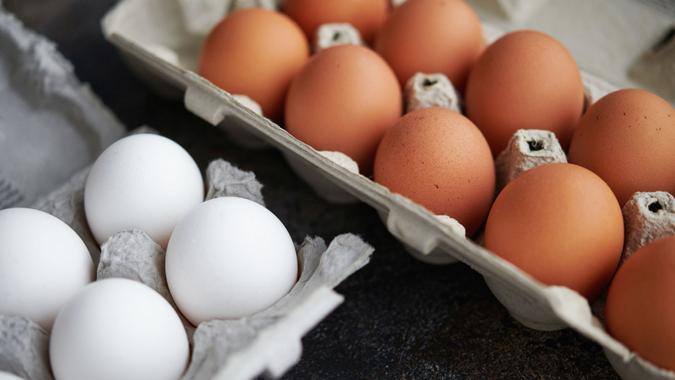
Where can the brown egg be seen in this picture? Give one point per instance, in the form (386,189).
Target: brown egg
(640,308)
(365,15)
(628,139)
(431,36)
(344,100)
(561,224)
(525,80)
(255,52)
(439,159)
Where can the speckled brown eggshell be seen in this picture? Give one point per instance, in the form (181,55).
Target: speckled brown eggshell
(628,139)
(524,80)
(640,311)
(561,224)
(431,36)
(367,16)
(439,159)
(344,100)
(255,52)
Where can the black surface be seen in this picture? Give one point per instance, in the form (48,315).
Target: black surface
(401,318)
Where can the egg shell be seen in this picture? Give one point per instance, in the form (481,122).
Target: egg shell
(524,80)
(8,376)
(640,311)
(439,159)
(367,16)
(255,52)
(561,224)
(344,100)
(118,329)
(43,263)
(431,36)
(229,258)
(628,139)
(142,181)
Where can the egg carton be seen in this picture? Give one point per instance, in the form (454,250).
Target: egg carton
(152,37)
(44,106)
(265,342)
(47,112)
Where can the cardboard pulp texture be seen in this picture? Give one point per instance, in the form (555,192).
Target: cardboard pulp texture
(148,31)
(52,125)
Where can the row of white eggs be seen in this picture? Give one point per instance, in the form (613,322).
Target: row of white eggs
(225,258)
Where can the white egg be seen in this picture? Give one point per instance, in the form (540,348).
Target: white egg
(118,329)
(229,258)
(142,181)
(43,262)
(9,376)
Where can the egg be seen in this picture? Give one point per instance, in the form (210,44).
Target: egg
(439,159)
(8,376)
(367,16)
(142,181)
(229,258)
(255,52)
(628,139)
(524,80)
(43,262)
(639,311)
(118,329)
(561,224)
(344,100)
(431,36)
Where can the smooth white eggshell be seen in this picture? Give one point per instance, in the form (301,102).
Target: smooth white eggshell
(43,262)
(142,181)
(8,376)
(229,258)
(118,329)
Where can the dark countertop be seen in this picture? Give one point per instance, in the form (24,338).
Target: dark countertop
(401,318)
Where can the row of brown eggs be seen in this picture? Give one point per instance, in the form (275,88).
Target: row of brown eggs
(561,223)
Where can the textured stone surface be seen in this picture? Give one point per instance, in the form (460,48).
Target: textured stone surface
(401,318)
